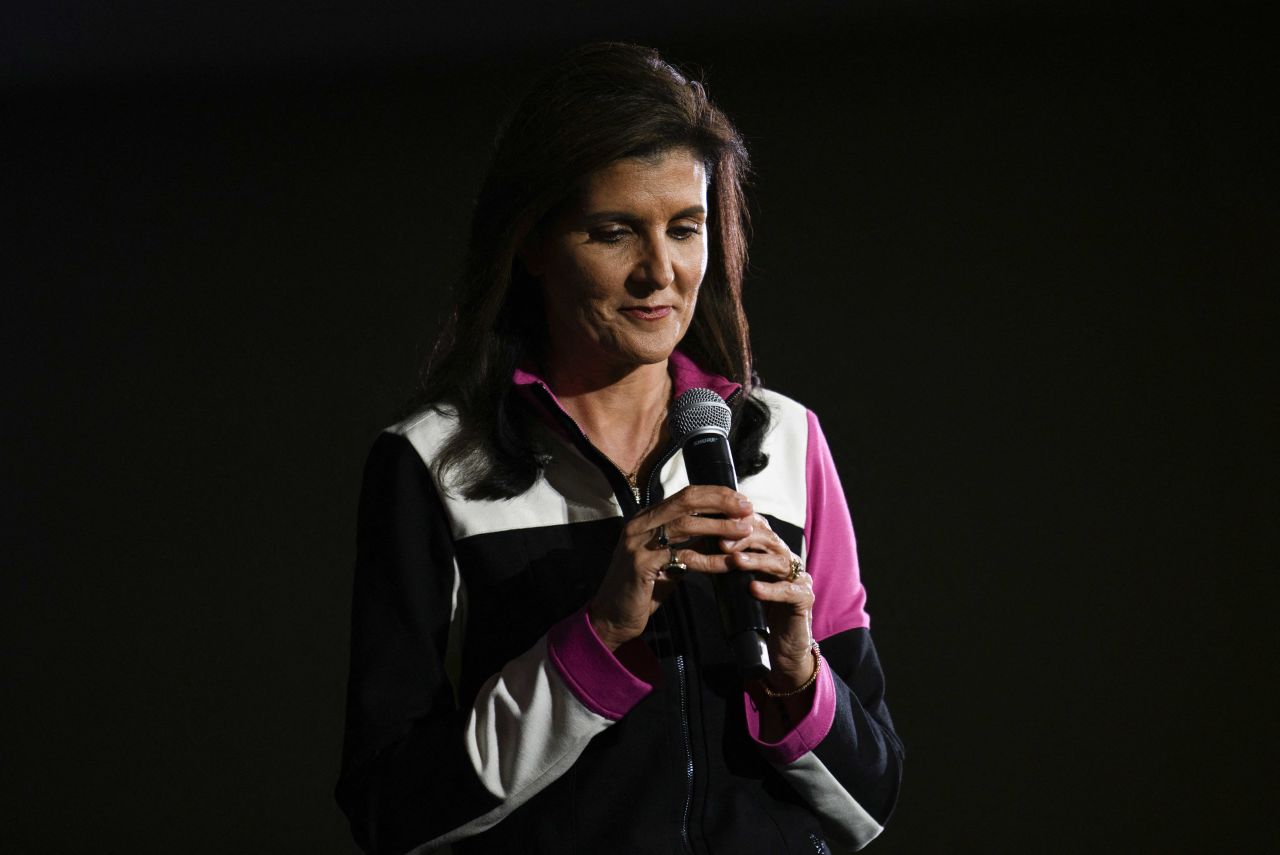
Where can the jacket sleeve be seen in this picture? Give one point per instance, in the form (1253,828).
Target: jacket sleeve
(843,756)
(418,771)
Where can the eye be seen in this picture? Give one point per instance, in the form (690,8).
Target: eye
(609,235)
(684,232)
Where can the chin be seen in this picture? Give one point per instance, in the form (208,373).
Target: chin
(649,349)
(634,357)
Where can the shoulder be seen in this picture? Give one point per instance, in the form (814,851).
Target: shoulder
(405,454)
(786,414)
(780,489)
(426,431)
(791,426)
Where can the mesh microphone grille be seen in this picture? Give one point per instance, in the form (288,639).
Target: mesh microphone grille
(698,411)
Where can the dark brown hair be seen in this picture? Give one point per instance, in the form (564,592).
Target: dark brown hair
(597,105)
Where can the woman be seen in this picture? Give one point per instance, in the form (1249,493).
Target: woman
(537,660)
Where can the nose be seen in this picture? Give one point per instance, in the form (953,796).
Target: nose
(654,268)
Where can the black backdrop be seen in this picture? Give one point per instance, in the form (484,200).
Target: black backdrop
(1015,256)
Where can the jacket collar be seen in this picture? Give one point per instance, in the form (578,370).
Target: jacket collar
(685,375)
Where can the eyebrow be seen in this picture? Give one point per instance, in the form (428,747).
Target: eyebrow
(627,217)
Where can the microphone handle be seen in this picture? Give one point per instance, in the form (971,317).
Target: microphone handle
(708,460)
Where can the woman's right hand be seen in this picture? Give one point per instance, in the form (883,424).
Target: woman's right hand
(638,580)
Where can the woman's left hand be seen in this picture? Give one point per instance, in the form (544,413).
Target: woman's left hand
(788,602)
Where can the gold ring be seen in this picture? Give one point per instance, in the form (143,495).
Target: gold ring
(796,568)
(674,564)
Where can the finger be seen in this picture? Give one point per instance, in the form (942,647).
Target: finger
(703,533)
(761,538)
(798,594)
(697,499)
(777,564)
(701,562)
(715,529)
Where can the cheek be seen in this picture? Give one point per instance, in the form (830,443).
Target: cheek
(695,264)
(695,255)
(578,294)
(570,284)
(590,277)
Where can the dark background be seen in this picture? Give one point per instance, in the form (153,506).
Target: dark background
(1018,257)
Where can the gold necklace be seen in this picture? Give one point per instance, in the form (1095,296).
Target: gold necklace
(633,477)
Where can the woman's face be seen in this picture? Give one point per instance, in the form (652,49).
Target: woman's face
(620,267)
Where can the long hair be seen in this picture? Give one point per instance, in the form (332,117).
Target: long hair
(599,104)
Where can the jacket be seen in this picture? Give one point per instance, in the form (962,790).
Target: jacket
(484,712)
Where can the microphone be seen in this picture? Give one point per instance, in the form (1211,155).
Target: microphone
(700,421)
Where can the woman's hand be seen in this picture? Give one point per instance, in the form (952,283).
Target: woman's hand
(638,579)
(788,601)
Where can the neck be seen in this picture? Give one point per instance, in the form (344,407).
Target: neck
(620,412)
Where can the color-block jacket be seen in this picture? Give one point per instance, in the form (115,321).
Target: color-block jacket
(483,711)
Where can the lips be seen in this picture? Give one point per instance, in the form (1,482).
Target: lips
(647,313)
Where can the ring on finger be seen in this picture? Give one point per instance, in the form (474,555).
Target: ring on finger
(796,569)
(662,537)
(675,566)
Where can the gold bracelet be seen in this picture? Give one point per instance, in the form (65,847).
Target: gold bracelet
(813,678)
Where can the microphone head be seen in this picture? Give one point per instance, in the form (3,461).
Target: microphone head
(699,411)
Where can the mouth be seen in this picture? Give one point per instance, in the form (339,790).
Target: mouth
(647,313)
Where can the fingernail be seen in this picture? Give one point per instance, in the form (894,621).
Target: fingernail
(742,525)
(745,557)
(744,504)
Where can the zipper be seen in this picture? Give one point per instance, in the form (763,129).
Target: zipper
(681,676)
(688,753)
(596,455)
(641,499)
(654,474)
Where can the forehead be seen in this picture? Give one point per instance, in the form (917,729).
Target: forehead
(671,178)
